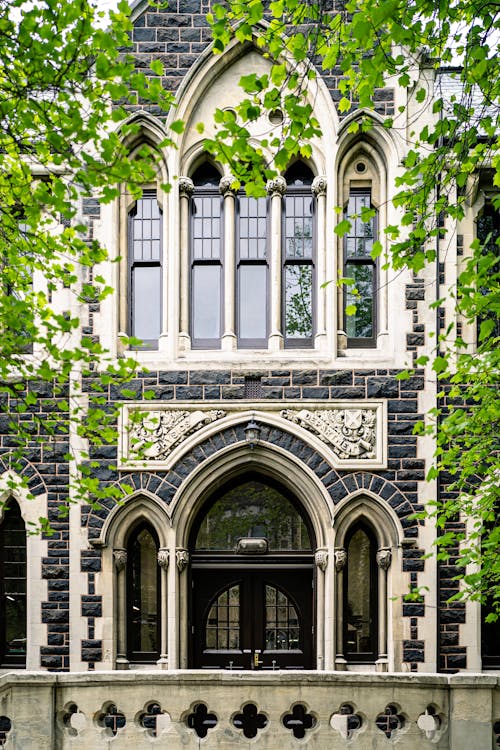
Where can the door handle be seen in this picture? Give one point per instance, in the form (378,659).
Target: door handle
(256,661)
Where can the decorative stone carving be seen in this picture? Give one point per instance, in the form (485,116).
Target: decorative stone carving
(384,557)
(186,186)
(153,436)
(319,185)
(340,559)
(120,558)
(182,559)
(163,558)
(277,186)
(351,432)
(321,559)
(225,185)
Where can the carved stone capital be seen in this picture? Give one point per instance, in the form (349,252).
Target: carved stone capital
(318,186)
(277,186)
(163,558)
(181,558)
(340,559)
(225,185)
(321,559)
(186,186)
(384,557)
(120,558)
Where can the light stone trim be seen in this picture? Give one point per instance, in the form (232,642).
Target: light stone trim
(347,434)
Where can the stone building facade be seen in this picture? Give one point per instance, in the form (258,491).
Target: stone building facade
(268,468)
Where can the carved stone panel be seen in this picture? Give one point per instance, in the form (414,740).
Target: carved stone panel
(351,432)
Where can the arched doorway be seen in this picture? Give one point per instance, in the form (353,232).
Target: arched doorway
(252,572)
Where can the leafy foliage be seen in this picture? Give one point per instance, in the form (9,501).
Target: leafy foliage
(60,149)
(453,149)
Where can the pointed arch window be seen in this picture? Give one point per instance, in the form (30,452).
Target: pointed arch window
(145,263)
(298,258)
(206,259)
(361,595)
(143,596)
(12,588)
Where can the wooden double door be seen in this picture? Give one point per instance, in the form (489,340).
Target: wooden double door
(257,617)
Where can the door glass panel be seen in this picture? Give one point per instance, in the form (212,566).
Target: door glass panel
(282,622)
(222,630)
(253,509)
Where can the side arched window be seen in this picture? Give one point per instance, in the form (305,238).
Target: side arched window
(361,595)
(143,596)
(145,269)
(12,588)
(298,258)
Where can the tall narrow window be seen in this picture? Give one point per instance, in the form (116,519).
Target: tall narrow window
(252,272)
(359,266)
(206,259)
(488,234)
(12,588)
(298,258)
(143,590)
(145,269)
(360,596)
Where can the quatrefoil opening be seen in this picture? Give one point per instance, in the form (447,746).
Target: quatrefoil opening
(201,720)
(390,721)
(250,721)
(73,720)
(153,719)
(346,721)
(299,721)
(5,727)
(496,732)
(431,722)
(111,719)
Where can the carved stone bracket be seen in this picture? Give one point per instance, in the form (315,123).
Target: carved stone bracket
(153,437)
(163,558)
(351,432)
(340,559)
(182,559)
(384,557)
(319,185)
(186,186)
(276,186)
(120,558)
(321,559)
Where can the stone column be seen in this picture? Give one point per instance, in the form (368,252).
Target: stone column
(120,560)
(186,189)
(340,562)
(182,561)
(384,557)
(319,191)
(276,189)
(163,560)
(321,560)
(229,341)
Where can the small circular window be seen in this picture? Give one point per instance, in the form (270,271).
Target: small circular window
(276,117)
(360,167)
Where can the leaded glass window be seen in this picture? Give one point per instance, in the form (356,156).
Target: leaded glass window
(282,622)
(12,588)
(222,630)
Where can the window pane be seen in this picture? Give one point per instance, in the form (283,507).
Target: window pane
(252,240)
(222,629)
(206,212)
(360,596)
(253,509)
(144,613)
(298,301)
(298,227)
(206,302)
(13,588)
(252,313)
(146,302)
(282,622)
(360,325)
(360,238)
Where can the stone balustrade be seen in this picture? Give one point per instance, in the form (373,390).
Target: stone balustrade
(215,709)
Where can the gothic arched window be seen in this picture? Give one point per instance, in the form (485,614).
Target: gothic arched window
(361,595)
(143,596)
(12,588)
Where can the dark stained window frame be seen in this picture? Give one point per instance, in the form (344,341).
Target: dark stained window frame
(371,655)
(141,657)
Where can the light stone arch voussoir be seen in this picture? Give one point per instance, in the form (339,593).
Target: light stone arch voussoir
(367,506)
(137,507)
(266,459)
